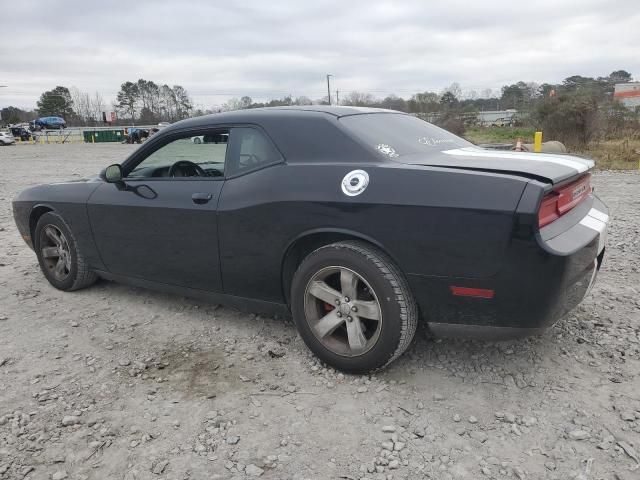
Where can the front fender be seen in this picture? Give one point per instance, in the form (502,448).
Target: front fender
(69,200)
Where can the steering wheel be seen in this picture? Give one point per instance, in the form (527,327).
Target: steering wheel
(187,166)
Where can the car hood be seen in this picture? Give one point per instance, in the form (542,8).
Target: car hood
(91,179)
(553,168)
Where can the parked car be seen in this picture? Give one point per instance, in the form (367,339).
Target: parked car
(52,123)
(136,135)
(21,133)
(359,222)
(222,138)
(503,122)
(6,138)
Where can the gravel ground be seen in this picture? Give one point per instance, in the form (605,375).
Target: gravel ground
(123,383)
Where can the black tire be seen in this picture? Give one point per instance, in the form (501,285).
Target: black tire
(78,275)
(399,314)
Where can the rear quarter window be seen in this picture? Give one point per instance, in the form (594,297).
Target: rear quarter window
(395,135)
(313,137)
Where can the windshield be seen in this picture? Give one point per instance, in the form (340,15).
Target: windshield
(397,135)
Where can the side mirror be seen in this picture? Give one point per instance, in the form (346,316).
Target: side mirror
(113,173)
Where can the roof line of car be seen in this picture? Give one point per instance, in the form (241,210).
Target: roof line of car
(360,111)
(351,111)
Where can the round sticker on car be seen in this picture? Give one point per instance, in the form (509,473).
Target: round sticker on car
(387,150)
(355,182)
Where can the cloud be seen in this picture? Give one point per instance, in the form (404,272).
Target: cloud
(270,49)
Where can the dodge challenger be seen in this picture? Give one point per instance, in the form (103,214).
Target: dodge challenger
(358,222)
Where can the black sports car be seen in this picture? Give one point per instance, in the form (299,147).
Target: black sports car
(358,221)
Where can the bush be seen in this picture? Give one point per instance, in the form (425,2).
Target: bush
(452,123)
(572,118)
(620,122)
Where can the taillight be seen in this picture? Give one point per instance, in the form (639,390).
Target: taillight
(562,200)
(548,210)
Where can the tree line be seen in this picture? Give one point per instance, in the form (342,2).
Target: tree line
(573,111)
(143,102)
(147,102)
(522,96)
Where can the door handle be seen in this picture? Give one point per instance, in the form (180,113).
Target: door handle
(201,198)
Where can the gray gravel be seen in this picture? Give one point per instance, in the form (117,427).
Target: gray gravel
(118,382)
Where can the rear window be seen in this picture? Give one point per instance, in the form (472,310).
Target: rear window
(396,135)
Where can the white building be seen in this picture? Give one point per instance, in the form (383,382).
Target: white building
(628,94)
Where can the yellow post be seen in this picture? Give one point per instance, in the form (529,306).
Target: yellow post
(537,142)
(93,138)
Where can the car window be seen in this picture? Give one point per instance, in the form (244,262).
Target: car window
(188,156)
(250,149)
(395,135)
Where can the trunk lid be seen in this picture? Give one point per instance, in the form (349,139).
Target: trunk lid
(552,167)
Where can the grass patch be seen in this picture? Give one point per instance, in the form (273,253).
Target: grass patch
(499,134)
(618,154)
(623,154)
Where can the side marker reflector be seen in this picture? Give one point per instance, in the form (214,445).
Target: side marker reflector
(472,292)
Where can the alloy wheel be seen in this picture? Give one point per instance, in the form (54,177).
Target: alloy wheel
(56,253)
(343,311)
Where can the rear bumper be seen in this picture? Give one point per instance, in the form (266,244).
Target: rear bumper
(541,280)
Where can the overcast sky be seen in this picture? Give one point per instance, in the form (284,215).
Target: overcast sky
(268,49)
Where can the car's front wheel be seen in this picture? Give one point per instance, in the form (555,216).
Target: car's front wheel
(60,260)
(353,307)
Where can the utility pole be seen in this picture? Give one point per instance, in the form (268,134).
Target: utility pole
(329,88)
(337,97)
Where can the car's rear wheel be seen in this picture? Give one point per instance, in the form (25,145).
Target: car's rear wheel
(353,307)
(60,260)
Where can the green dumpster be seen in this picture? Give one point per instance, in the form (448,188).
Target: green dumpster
(103,136)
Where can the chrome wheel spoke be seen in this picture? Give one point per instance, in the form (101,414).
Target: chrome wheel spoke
(60,266)
(324,292)
(368,309)
(357,340)
(53,236)
(50,252)
(328,324)
(348,283)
